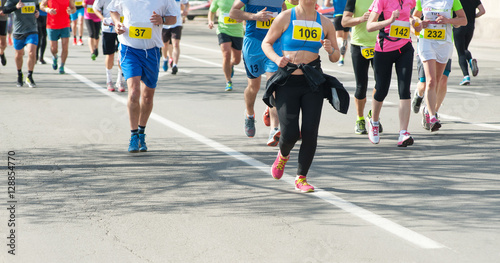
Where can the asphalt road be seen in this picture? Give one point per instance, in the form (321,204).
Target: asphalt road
(204,193)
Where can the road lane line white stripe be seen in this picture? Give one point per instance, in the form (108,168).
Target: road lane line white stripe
(398,230)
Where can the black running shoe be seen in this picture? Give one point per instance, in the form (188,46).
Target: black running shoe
(20,80)
(174,70)
(4,60)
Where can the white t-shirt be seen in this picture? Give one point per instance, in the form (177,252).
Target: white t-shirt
(102,6)
(140,33)
(179,17)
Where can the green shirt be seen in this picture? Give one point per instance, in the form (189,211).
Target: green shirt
(226,25)
(359,35)
(289,5)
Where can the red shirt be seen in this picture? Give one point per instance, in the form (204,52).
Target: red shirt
(61,19)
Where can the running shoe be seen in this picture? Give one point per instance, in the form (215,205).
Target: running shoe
(274,137)
(54,63)
(174,70)
(133,146)
(343,47)
(266,118)
(473,67)
(360,127)
(4,60)
(20,82)
(341,63)
(250,126)
(42,61)
(302,185)
(465,81)
(110,86)
(93,56)
(380,128)
(30,82)
(142,143)
(120,86)
(278,167)
(165,65)
(434,124)
(426,119)
(416,102)
(405,139)
(9,40)
(80,42)
(229,86)
(74,41)
(171,62)
(373,133)
(232,71)
(61,70)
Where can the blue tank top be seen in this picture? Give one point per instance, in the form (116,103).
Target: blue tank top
(258,29)
(303,35)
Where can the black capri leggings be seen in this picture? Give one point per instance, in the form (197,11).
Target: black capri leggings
(94,28)
(42,36)
(360,66)
(296,95)
(382,66)
(463,36)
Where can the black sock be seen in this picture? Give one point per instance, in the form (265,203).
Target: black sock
(141,129)
(19,72)
(30,73)
(134,132)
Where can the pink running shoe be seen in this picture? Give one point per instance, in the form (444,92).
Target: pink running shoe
(279,166)
(111,87)
(405,139)
(373,132)
(302,185)
(434,124)
(266,118)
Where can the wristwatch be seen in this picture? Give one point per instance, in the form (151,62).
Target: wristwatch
(163,19)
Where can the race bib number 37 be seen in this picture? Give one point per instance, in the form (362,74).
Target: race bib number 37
(400,29)
(140,32)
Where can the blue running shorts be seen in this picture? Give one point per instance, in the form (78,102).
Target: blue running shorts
(140,62)
(256,62)
(79,12)
(30,39)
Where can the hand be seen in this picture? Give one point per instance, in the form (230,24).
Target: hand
(282,61)
(69,11)
(210,24)
(156,19)
(263,15)
(108,21)
(19,5)
(52,11)
(327,45)
(395,15)
(425,23)
(441,20)
(417,25)
(365,16)
(37,14)
(120,28)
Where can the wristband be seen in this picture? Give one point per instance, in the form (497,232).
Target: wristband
(163,19)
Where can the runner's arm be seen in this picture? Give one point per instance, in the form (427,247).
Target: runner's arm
(274,33)
(481,10)
(238,14)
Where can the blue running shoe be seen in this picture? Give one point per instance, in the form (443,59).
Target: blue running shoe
(465,81)
(61,70)
(229,86)
(54,63)
(133,146)
(165,65)
(142,143)
(250,126)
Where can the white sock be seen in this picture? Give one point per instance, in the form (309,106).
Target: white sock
(401,132)
(108,76)
(165,59)
(175,65)
(119,78)
(375,123)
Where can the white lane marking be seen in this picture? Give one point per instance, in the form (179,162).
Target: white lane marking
(452,90)
(480,124)
(396,229)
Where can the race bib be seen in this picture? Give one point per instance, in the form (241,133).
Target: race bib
(435,34)
(266,24)
(400,29)
(306,30)
(368,52)
(78,3)
(228,20)
(140,32)
(28,8)
(90,10)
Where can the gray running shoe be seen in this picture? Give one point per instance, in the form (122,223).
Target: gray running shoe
(360,127)
(274,137)
(416,102)
(250,126)
(30,82)
(473,67)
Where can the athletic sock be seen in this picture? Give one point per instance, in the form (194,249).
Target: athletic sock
(19,72)
(361,118)
(119,78)
(134,132)
(109,76)
(375,123)
(62,65)
(401,132)
(141,129)
(30,73)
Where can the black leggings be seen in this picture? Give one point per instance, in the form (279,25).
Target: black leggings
(382,66)
(360,66)
(296,95)
(94,28)
(42,36)
(463,36)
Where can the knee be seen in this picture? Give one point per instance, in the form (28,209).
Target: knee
(236,60)
(147,99)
